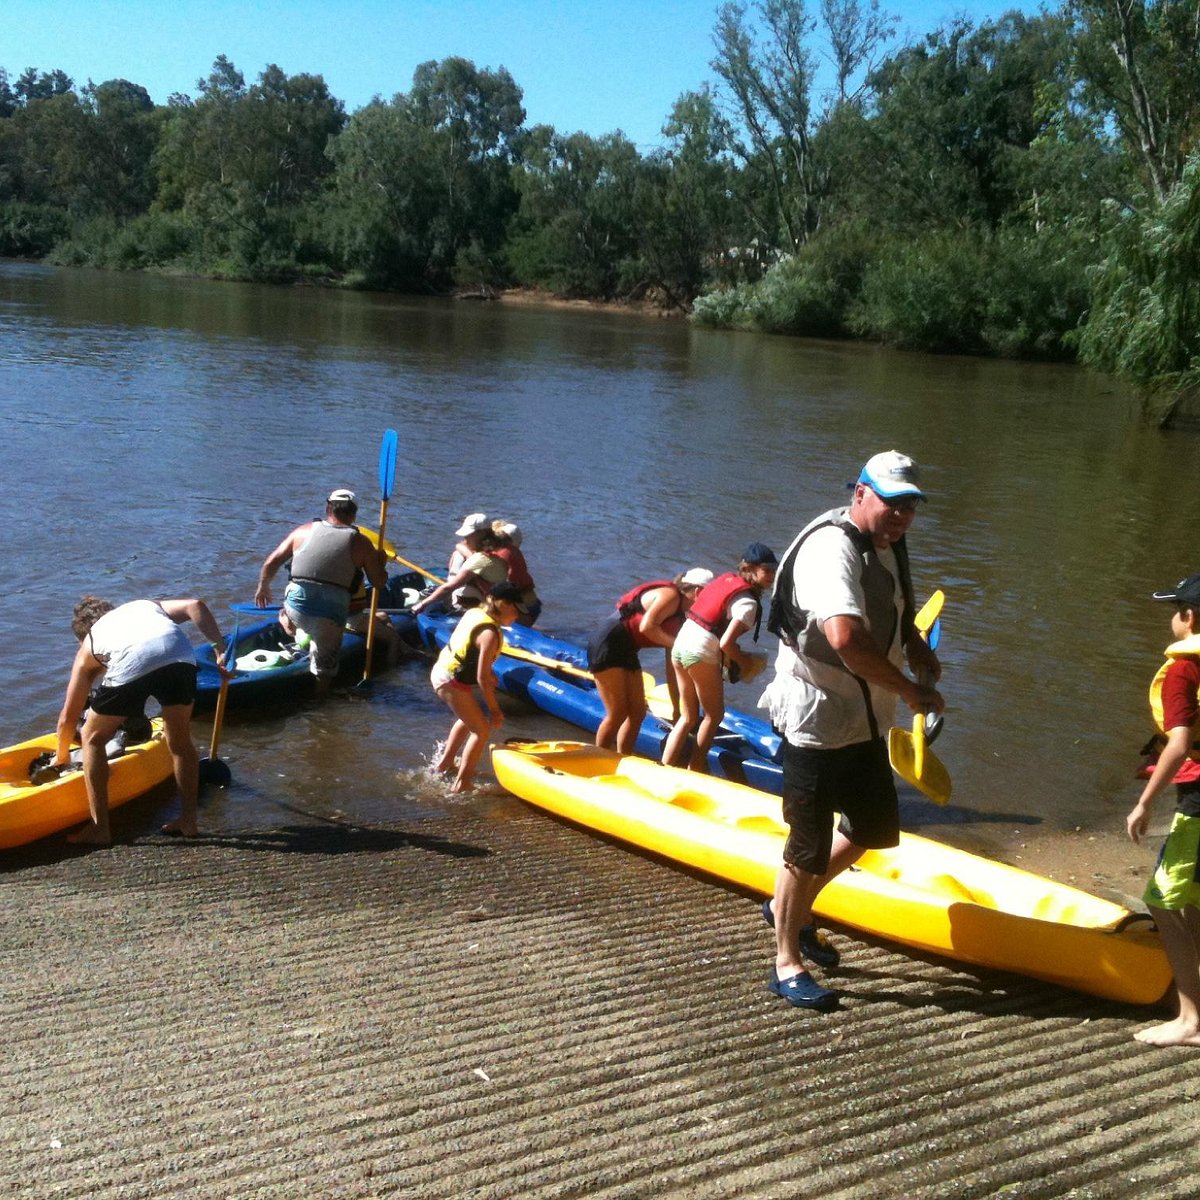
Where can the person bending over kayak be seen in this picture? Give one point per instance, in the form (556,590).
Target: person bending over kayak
(327,556)
(650,614)
(707,647)
(134,652)
(465,661)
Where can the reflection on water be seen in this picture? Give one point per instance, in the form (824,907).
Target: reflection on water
(163,434)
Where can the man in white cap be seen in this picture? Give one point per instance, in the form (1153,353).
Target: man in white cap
(843,610)
(327,557)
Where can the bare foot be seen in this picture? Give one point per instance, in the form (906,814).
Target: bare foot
(89,835)
(1171,1033)
(178,829)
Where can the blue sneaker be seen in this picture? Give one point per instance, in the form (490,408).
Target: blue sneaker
(803,991)
(814,945)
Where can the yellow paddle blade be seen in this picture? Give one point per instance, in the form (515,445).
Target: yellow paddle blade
(923,769)
(929,612)
(373,538)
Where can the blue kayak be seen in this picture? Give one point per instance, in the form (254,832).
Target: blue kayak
(271,667)
(744,748)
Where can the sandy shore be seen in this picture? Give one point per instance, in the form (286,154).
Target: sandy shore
(489,1003)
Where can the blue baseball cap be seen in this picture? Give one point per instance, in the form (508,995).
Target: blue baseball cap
(892,474)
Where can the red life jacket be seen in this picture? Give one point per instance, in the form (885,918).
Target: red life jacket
(629,607)
(711,608)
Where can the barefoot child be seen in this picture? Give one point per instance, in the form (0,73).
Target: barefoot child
(1173,893)
(466,660)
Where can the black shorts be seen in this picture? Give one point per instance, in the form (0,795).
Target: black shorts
(170,685)
(855,781)
(613,647)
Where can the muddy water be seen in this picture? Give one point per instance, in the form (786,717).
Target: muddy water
(161,435)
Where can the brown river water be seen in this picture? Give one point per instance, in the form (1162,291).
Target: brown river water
(161,436)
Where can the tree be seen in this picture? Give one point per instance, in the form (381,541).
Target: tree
(769,81)
(1139,61)
(242,159)
(427,177)
(576,231)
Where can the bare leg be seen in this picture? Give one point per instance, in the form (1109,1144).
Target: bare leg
(795,892)
(710,687)
(177,723)
(453,747)
(689,715)
(635,709)
(613,689)
(97,731)
(1180,930)
(466,708)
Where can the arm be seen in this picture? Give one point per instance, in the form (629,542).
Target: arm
(444,589)
(372,561)
(672,686)
(921,658)
(1169,761)
(275,560)
(84,671)
(201,616)
(853,644)
(489,647)
(729,647)
(664,603)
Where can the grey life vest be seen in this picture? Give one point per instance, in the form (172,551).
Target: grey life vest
(325,556)
(799,630)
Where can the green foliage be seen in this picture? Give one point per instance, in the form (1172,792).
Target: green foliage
(810,294)
(1145,318)
(30,230)
(975,292)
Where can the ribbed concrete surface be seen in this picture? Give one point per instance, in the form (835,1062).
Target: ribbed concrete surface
(492,1004)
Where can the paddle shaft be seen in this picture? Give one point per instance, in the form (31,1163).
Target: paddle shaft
(383,508)
(387,479)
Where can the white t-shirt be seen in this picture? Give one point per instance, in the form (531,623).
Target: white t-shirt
(810,702)
(136,638)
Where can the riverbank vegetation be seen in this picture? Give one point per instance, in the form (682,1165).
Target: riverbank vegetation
(1025,187)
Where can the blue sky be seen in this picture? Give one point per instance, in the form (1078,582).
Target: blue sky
(595,65)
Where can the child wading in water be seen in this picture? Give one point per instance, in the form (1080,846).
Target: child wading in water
(1173,893)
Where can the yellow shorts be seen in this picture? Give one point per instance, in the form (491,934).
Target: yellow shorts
(1174,883)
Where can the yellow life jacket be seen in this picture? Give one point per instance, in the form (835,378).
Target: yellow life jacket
(1189,645)
(460,655)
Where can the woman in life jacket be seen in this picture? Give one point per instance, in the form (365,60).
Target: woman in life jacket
(467,661)
(650,614)
(707,647)
(508,547)
(480,571)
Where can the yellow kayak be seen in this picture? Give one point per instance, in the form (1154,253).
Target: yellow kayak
(29,812)
(921,894)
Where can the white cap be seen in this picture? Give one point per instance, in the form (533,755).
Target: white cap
(342,496)
(892,474)
(472,523)
(697,577)
(512,532)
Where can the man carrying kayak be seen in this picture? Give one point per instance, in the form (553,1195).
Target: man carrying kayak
(843,611)
(327,558)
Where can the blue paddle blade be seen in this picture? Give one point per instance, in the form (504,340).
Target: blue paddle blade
(387,464)
(935,634)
